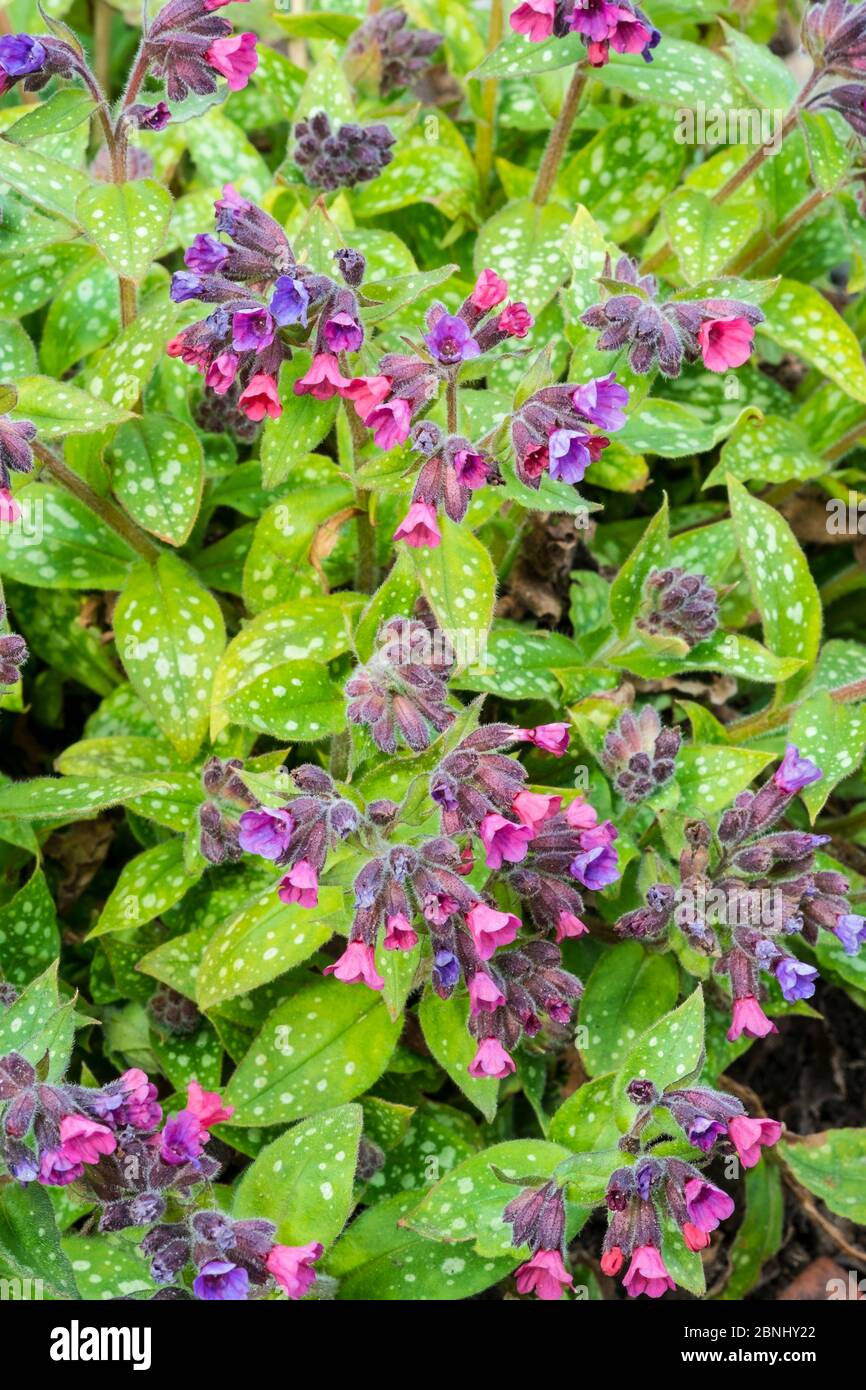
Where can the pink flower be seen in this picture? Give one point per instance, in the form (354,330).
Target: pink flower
(706,1205)
(503,840)
(516,320)
(647,1274)
(534,18)
(598,835)
(534,808)
(438,907)
(627,34)
(419,527)
(580,815)
(83,1140)
(485,996)
(210,5)
(725,343)
(300,885)
(222,372)
(324,378)
(611,1261)
(235,58)
(356,966)
(366,392)
(490,928)
(749,1018)
(232,199)
(569,925)
(490,289)
(748,1136)
(261,398)
(695,1238)
(292,1267)
(207,1106)
(390,422)
(551,738)
(491,1059)
(10,511)
(140,1107)
(399,935)
(544,1275)
(470,469)
(55,1170)
(597,53)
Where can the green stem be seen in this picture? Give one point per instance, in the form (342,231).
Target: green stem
(557,141)
(775,718)
(366,569)
(451,405)
(338,762)
(487,124)
(113,517)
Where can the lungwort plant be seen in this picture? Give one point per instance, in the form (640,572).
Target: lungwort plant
(433,820)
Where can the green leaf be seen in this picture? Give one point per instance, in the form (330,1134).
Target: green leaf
(107,1266)
(69,547)
(443,1023)
(325,1045)
(832,1165)
(322,25)
(58,409)
(705,237)
(760,1232)
(802,321)
(303,1181)
(128,222)
(70,798)
(261,940)
(627,590)
(73,331)
(17,353)
(682,74)
(669,429)
(710,776)
(784,591)
(38,1024)
(833,736)
(531,248)
(432,164)
(121,371)
(769,450)
(170,636)
(63,111)
(727,652)
(49,183)
(297,701)
(519,664)
(586,1121)
(157,472)
(625,992)
(29,938)
(459,582)
(146,887)
(301,427)
(30,1244)
(278,565)
(641,147)
(669,1053)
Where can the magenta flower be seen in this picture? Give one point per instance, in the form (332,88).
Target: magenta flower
(10,512)
(292,1267)
(503,840)
(627,34)
(342,333)
(390,422)
(471,469)
(551,738)
(450,340)
(706,1205)
(534,18)
(534,808)
(265,832)
(490,929)
(419,528)
(56,1170)
(592,18)
(515,320)
(725,343)
(569,925)
(356,966)
(207,1106)
(490,290)
(139,1106)
(221,373)
(300,885)
(221,1279)
(235,58)
(580,815)
(749,1018)
(491,1059)
(749,1136)
(324,378)
(183,1139)
(261,398)
(647,1274)
(485,996)
(252,330)
(367,392)
(83,1140)
(794,773)
(399,935)
(544,1275)
(612,1261)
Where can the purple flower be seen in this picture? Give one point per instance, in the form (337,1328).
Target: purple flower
(153,118)
(185,286)
(797,980)
(343,333)
(596,867)
(706,1205)
(265,832)
(569,456)
(220,1279)
(601,401)
(290,301)
(21,54)
(451,341)
(471,469)
(252,330)
(182,1139)
(446,970)
(205,254)
(851,931)
(644,1180)
(794,773)
(703,1132)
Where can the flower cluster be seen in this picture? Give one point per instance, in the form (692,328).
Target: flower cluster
(16,456)
(744,904)
(622,27)
(640,1194)
(342,157)
(402,691)
(384,51)
(834,34)
(190,47)
(266,303)
(550,434)
(452,470)
(680,606)
(719,331)
(639,754)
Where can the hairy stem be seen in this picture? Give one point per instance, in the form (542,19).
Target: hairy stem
(366,569)
(558,139)
(113,517)
(451,405)
(768,719)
